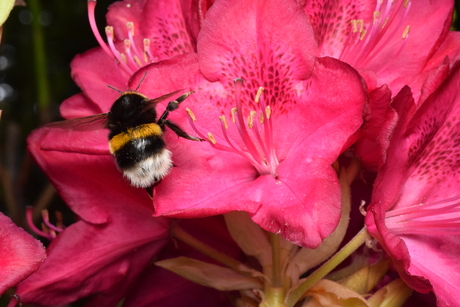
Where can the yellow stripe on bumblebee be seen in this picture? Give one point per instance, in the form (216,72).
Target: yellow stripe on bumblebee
(139,132)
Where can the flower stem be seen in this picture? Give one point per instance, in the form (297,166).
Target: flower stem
(276,256)
(178,233)
(327,267)
(41,75)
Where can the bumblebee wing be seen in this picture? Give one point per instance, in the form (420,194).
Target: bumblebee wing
(153,102)
(88,123)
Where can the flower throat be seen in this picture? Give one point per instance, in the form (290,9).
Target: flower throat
(256,133)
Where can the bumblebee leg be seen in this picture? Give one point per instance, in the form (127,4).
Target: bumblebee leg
(152,187)
(173,105)
(179,131)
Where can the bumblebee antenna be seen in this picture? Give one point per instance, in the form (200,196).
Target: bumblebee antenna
(140,82)
(115,89)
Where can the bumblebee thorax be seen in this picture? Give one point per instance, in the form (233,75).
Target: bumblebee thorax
(128,111)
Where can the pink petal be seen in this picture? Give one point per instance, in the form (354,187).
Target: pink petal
(421,169)
(79,106)
(376,133)
(331,22)
(171,26)
(213,182)
(429,22)
(103,260)
(273,37)
(448,48)
(93,71)
(20,254)
(82,170)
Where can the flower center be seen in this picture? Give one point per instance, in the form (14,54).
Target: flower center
(364,42)
(436,217)
(129,59)
(256,133)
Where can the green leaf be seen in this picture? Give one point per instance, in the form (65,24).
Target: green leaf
(5,8)
(210,275)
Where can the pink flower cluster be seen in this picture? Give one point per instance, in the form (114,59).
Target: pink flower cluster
(286,93)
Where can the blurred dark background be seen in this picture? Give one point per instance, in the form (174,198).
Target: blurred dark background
(39,41)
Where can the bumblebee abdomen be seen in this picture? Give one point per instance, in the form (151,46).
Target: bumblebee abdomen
(119,140)
(141,154)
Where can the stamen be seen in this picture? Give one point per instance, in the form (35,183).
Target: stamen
(136,54)
(147,53)
(224,121)
(129,61)
(233,111)
(190,113)
(130,26)
(251,119)
(376,17)
(29,214)
(45,217)
(363,45)
(437,217)
(129,55)
(268,112)
(119,56)
(259,93)
(257,147)
(211,138)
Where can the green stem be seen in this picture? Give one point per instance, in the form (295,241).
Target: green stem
(178,233)
(41,76)
(327,267)
(276,256)
(274,297)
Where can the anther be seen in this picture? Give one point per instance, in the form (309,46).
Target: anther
(251,119)
(354,25)
(233,112)
(406,32)
(268,112)
(259,93)
(376,17)
(211,138)
(190,113)
(224,121)
(138,61)
(261,118)
(147,54)
(386,21)
(109,32)
(130,26)
(123,58)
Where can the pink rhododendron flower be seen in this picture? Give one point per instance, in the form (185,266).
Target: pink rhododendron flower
(138,33)
(414,213)
(106,251)
(20,254)
(277,164)
(398,41)
(104,255)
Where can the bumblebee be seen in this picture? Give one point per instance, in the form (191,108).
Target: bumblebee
(136,135)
